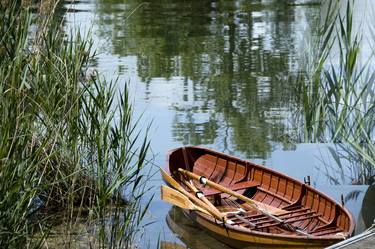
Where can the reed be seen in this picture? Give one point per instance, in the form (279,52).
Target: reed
(69,145)
(337,94)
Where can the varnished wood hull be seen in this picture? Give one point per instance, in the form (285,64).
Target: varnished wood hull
(246,240)
(325,221)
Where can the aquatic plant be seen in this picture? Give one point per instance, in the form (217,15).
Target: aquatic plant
(338,94)
(69,146)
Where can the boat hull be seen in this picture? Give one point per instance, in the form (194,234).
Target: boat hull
(316,219)
(244,240)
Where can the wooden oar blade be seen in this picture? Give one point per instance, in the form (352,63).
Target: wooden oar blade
(176,198)
(169,179)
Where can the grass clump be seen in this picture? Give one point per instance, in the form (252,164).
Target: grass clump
(68,142)
(337,94)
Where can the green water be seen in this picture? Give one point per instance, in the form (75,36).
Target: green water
(218,69)
(217,74)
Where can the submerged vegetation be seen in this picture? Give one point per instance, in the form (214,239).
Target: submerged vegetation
(336,90)
(69,147)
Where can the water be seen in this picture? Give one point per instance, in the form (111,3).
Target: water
(216,74)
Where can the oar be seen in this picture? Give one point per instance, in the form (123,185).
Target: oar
(203,180)
(178,199)
(223,189)
(259,205)
(201,196)
(169,179)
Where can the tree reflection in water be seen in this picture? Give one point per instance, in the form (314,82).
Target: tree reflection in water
(229,60)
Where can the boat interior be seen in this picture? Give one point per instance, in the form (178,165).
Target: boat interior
(301,206)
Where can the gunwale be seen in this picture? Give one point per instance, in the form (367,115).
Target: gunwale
(249,235)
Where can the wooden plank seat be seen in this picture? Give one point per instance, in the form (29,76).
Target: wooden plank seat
(260,216)
(233,187)
(267,220)
(289,221)
(272,223)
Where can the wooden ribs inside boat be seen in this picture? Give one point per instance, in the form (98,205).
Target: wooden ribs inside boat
(318,219)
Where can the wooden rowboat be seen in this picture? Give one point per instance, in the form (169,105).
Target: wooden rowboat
(301,215)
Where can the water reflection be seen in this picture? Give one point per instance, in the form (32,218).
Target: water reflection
(228,61)
(190,235)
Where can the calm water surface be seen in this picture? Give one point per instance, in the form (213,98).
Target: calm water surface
(216,74)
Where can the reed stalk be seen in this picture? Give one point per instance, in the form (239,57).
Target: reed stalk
(69,145)
(337,94)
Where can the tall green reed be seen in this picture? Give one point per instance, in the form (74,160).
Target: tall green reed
(338,94)
(309,79)
(68,141)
